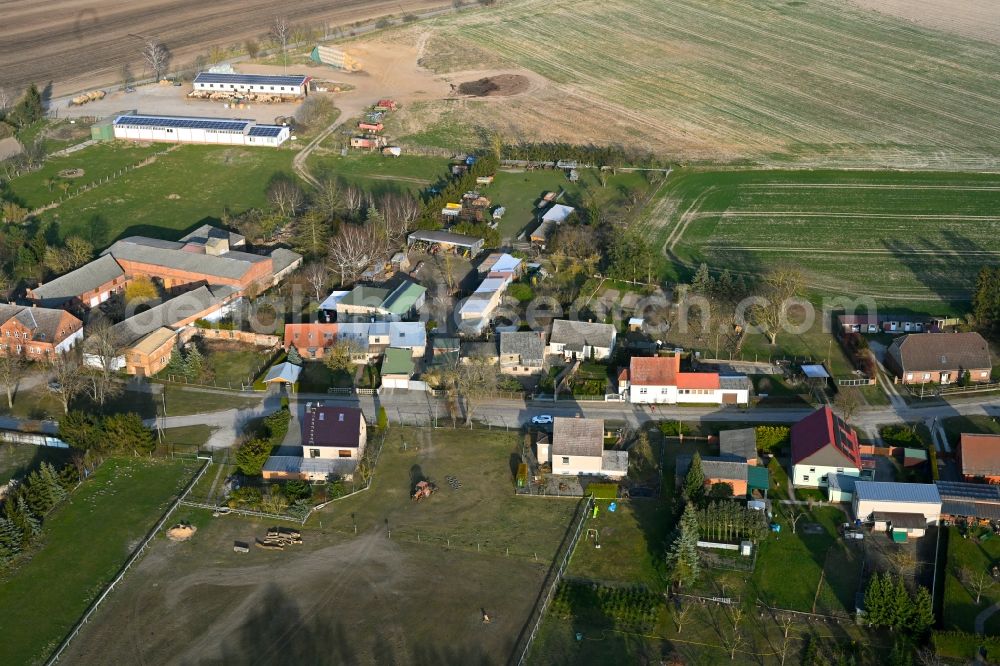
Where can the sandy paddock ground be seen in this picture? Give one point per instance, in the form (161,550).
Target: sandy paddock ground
(83,44)
(978,19)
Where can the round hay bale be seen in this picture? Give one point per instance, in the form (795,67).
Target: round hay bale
(181,532)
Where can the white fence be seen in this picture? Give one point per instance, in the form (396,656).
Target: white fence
(560,571)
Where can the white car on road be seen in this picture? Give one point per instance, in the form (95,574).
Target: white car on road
(542,419)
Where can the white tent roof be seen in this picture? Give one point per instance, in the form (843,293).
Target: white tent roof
(331,301)
(815,372)
(558,213)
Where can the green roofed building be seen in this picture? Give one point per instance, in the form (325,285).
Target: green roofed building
(397,368)
(377,303)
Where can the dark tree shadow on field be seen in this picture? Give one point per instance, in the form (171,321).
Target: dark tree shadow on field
(938,265)
(164,233)
(97,231)
(276,632)
(515,462)
(451,656)
(416,476)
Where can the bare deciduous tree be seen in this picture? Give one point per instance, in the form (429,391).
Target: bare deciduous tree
(328,199)
(12,369)
(316,274)
(976,581)
(475,380)
(280,33)
(786,623)
(105,347)
(285,196)
(156,56)
(681,614)
(354,197)
(68,379)
(350,252)
(847,402)
(779,287)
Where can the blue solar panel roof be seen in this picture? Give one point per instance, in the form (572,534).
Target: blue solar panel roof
(184,123)
(265,130)
(251,79)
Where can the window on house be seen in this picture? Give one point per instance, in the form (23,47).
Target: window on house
(805,478)
(812,470)
(984,374)
(344,454)
(642,391)
(927,375)
(565,460)
(909,375)
(314,453)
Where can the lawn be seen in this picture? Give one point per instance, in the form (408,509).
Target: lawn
(40,403)
(789,566)
(519,192)
(954,426)
(976,555)
(98,161)
(925,233)
(375,172)
(233,365)
(187,187)
(16,460)
(84,543)
(187,438)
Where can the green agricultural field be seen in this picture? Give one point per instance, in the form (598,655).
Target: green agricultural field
(84,543)
(182,189)
(39,188)
(904,237)
(771,82)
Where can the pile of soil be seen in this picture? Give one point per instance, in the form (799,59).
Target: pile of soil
(495,86)
(71,173)
(181,532)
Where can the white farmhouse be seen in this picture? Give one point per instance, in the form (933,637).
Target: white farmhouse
(290,85)
(901,508)
(578,448)
(218,131)
(659,380)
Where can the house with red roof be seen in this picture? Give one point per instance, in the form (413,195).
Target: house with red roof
(823,445)
(979,457)
(659,380)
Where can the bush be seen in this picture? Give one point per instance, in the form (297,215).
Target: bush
(252,455)
(297,490)
(674,428)
(522,292)
(771,439)
(382,419)
(276,426)
(903,436)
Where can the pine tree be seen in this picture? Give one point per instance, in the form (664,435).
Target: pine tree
(176,364)
(51,478)
(194,363)
(922,615)
(11,539)
(901,605)
(293,356)
(23,517)
(702,282)
(682,558)
(38,494)
(875,602)
(694,482)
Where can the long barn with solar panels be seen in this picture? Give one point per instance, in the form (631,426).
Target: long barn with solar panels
(174,129)
(291,85)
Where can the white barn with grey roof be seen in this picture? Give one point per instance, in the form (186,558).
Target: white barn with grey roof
(172,129)
(285,85)
(887,503)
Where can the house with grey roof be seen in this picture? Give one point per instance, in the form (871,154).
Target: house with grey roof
(581,340)
(522,352)
(577,448)
(739,445)
(87,286)
(37,333)
(940,358)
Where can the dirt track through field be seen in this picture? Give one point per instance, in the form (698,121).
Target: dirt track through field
(77,44)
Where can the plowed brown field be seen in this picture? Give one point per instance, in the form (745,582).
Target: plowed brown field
(77,44)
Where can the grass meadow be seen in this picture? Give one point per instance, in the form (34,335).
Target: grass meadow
(84,542)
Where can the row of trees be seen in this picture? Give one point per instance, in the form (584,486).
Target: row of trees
(728,521)
(27,504)
(599,156)
(115,433)
(889,604)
